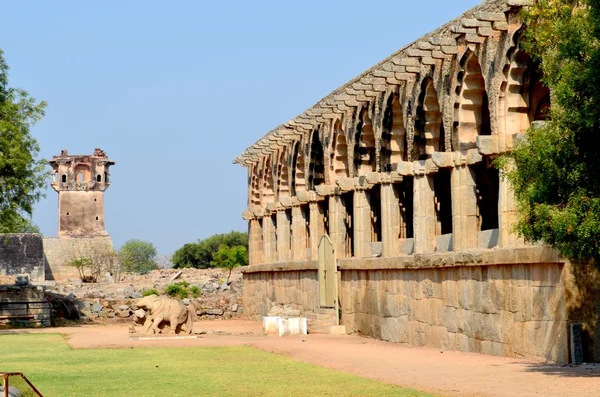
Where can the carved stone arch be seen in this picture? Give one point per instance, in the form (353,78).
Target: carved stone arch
(365,159)
(393,136)
(283,178)
(523,97)
(338,153)
(316,168)
(267,189)
(254,185)
(429,131)
(471,109)
(298,180)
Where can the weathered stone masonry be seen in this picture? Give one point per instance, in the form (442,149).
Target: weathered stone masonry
(396,167)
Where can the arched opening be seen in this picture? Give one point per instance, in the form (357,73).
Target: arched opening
(316,175)
(339,153)
(80,177)
(64,178)
(364,145)
(429,131)
(472,115)
(298,182)
(98,178)
(268,194)
(255,190)
(283,188)
(523,97)
(393,137)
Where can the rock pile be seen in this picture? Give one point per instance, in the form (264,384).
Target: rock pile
(285,311)
(217,298)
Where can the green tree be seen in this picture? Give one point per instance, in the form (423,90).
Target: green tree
(555,170)
(21,175)
(138,256)
(230,258)
(200,255)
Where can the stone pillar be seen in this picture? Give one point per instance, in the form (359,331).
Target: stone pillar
(362,224)
(298,233)
(283,236)
(337,225)
(464,208)
(317,228)
(507,215)
(424,214)
(390,220)
(255,256)
(269,240)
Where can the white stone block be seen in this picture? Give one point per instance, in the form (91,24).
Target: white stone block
(292,326)
(270,325)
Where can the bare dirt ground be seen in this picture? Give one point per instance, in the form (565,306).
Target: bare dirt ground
(447,373)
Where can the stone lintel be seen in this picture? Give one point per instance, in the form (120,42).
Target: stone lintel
(326,190)
(248,215)
(425,167)
(443,159)
(345,184)
(290,266)
(488,144)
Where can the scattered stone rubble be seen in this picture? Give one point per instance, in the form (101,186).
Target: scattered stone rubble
(114,301)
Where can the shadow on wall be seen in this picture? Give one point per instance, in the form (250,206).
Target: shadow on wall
(583,305)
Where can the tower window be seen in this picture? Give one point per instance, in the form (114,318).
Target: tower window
(98,178)
(64,178)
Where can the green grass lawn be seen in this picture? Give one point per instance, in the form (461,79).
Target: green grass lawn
(57,370)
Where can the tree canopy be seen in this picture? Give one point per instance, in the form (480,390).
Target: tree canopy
(21,174)
(230,257)
(555,170)
(138,256)
(200,255)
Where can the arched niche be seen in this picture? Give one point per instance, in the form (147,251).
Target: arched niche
(339,153)
(283,177)
(268,192)
(316,170)
(254,186)
(523,97)
(471,110)
(298,180)
(364,145)
(393,137)
(429,131)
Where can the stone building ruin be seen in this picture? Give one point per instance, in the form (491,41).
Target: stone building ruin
(80,181)
(396,167)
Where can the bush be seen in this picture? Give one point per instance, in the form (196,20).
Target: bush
(149,292)
(195,290)
(177,291)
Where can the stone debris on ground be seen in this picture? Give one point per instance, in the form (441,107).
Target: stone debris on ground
(285,311)
(114,301)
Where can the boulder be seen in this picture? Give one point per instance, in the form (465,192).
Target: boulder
(214,312)
(123,308)
(124,313)
(96,308)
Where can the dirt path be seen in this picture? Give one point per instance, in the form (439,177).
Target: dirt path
(447,373)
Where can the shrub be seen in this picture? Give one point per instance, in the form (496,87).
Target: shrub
(177,291)
(151,291)
(195,290)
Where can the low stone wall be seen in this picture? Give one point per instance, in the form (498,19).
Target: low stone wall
(22,253)
(502,302)
(283,283)
(506,310)
(25,305)
(59,251)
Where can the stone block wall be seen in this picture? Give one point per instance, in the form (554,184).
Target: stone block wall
(24,305)
(264,289)
(22,253)
(504,310)
(59,251)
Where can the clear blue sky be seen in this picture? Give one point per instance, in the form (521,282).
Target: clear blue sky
(174,90)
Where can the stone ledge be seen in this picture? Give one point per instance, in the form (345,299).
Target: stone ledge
(281,267)
(481,257)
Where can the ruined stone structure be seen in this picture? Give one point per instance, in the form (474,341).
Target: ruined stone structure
(80,181)
(396,168)
(22,254)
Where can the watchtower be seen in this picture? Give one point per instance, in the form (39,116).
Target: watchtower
(80,181)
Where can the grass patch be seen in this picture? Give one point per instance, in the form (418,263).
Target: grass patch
(58,370)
